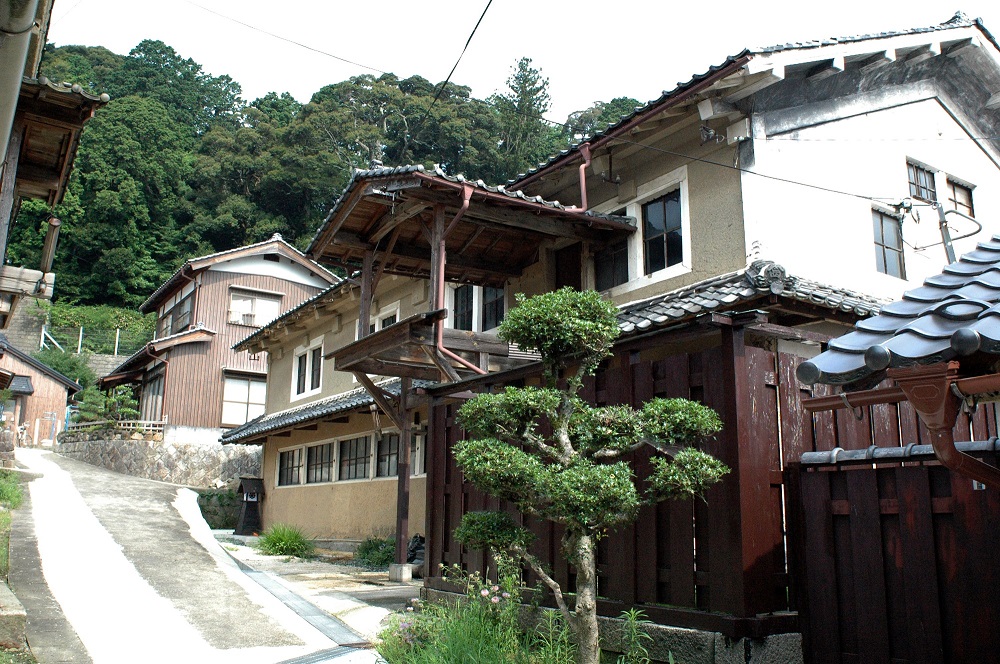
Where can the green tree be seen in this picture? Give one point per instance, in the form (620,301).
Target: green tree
(583,124)
(573,471)
(70,365)
(89,66)
(525,138)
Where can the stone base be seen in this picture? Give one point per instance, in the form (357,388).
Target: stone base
(12,620)
(404,573)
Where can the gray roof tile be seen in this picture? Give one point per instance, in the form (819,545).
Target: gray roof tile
(954,314)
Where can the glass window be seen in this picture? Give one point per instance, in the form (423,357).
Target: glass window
(308,376)
(243,399)
(182,314)
(316,370)
(354,458)
(888,245)
(388,456)
(960,198)
(301,366)
(289,465)
(319,463)
(493,307)
(611,265)
(921,183)
(661,232)
(257,309)
(463,308)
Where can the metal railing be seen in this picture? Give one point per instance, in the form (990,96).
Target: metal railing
(107,342)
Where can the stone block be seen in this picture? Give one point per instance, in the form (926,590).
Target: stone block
(12,619)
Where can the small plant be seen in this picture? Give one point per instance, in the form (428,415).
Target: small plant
(10,490)
(284,540)
(376,552)
(634,638)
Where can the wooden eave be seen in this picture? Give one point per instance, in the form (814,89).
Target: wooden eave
(496,239)
(407,349)
(50,123)
(194,336)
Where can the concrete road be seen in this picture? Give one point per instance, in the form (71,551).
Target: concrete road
(113,568)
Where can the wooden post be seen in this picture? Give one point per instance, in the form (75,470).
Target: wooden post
(8,180)
(51,240)
(403,474)
(365,311)
(437,231)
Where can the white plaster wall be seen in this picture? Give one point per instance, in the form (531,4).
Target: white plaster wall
(828,236)
(285,268)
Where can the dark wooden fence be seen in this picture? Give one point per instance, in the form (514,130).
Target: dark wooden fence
(736,563)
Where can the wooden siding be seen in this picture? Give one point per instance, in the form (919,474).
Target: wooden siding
(50,395)
(194,382)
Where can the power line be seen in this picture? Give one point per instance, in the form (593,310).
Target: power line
(467,42)
(286,39)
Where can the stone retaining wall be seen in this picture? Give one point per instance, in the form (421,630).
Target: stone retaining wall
(149,456)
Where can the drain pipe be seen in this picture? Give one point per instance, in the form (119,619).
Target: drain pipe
(585,151)
(439,324)
(935,394)
(17,19)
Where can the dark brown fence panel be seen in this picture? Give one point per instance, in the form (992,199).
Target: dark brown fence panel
(899,564)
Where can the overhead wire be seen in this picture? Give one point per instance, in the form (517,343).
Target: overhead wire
(620,139)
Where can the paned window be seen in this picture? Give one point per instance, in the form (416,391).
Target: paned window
(921,183)
(493,307)
(960,198)
(663,243)
(249,308)
(289,467)
(243,399)
(888,245)
(611,265)
(383,322)
(319,463)
(308,365)
(463,308)
(388,456)
(182,314)
(354,458)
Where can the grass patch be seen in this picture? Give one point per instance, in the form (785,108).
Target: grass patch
(10,489)
(284,540)
(16,657)
(376,552)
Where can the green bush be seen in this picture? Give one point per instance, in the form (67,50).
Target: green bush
(376,552)
(284,540)
(482,627)
(10,490)
(70,365)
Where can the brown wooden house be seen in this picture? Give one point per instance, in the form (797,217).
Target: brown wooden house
(39,396)
(188,376)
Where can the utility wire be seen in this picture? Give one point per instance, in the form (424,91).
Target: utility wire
(464,48)
(286,39)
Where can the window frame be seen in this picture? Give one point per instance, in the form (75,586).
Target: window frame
(325,465)
(304,371)
(879,220)
(255,296)
(302,470)
(952,185)
(250,378)
(477,306)
(916,188)
(296,470)
(352,462)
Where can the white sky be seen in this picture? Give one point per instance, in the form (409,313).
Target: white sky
(589,50)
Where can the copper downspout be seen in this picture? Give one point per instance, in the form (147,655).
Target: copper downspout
(930,390)
(585,151)
(439,324)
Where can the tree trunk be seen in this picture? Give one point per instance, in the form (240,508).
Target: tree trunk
(586,599)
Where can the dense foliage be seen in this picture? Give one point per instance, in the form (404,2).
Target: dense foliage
(553,456)
(178,164)
(376,552)
(284,540)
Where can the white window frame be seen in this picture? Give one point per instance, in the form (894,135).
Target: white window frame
(250,378)
(256,295)
(649,191)
(477,306)
(418,462)
(307,351)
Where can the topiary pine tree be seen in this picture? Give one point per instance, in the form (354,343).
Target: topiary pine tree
(576,475)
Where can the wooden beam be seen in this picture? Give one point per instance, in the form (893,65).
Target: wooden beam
(770,76)
(376,367)
(443,365)
(382,398)
(8,181)
(391,220)
(367,293)
(23,281)
(826,69)
(403,475)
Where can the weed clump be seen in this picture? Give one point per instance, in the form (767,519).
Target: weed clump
(376,552)
(284,540)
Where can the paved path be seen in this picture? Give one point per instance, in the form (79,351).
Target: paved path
(130,572)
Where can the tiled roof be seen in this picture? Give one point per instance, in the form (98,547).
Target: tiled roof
(959,20)
(6,347)
(515,194)
(66,88)
(276,239)
(21,385)
(760,279)
(325,295)
(954,314)
(310,412)
(129,363)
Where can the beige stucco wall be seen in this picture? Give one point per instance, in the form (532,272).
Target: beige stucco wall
(352,509)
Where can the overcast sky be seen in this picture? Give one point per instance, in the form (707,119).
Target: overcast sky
(589,50)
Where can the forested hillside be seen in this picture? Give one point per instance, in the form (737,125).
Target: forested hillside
(179,165)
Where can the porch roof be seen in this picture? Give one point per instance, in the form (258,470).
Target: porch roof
(130,370)
(955,314)
(257,430)
(388,209)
